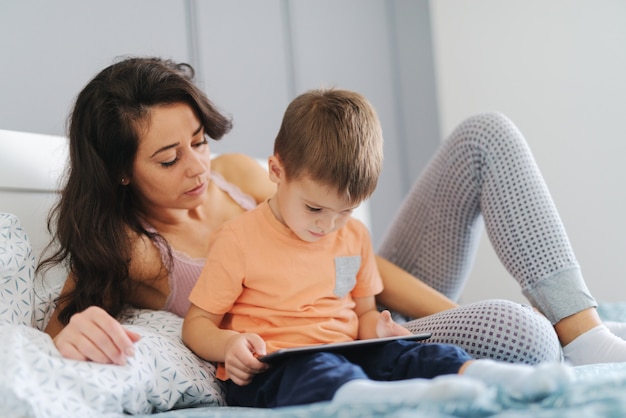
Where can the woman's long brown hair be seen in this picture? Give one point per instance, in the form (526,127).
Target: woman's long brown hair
(91,221)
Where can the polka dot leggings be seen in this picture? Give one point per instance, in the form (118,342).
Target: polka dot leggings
(485,170)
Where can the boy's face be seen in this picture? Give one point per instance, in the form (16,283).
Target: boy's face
(309,209)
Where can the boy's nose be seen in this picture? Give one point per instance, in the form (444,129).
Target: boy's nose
(326,224)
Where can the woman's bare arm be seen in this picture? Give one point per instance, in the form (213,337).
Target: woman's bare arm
(91,335)
(245,172)
(408,295)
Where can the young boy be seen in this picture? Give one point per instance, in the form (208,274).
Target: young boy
(298,270)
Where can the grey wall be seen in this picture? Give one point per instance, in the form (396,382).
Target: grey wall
(252,58)
(558,69)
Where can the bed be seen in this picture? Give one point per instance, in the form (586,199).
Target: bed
(164,379)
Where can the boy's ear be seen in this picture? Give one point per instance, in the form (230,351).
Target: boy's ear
(275,168)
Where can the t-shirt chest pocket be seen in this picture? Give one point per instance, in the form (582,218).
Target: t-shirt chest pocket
(346,269)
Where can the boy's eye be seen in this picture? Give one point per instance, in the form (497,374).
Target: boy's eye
(312,209)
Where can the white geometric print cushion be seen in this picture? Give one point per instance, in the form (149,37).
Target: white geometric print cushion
(17,270)
(164,374)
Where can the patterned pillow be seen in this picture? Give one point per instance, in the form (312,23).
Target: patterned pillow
(17,270)
(163,374)
(176,377)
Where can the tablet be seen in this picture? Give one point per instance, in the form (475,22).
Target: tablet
(338,347)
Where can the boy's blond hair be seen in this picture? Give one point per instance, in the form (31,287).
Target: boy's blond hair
(334,137)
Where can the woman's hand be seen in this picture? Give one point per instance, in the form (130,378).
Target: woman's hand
(241,354)
(94,335)
(387,327)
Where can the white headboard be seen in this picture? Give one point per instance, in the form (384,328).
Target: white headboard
(30,168)
(31,162)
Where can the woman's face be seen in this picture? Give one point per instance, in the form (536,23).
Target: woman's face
(173,163)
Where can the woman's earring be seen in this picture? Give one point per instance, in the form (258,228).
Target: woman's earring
(124,181)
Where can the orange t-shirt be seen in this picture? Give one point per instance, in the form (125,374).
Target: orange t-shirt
(292,293)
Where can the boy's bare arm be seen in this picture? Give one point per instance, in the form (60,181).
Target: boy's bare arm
(374,324)
(238,352)
(365,308)
(203,336)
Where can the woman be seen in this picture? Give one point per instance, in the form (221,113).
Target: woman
(142,195)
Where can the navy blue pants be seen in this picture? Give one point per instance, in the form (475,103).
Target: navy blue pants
(308,378)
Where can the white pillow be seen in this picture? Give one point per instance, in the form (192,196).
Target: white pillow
(17,271)
(163,374)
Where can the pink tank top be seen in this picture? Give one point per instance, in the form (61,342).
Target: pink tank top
(185,270)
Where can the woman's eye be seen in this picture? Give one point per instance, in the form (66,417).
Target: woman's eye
(169,163)
(201,143)
(312,209)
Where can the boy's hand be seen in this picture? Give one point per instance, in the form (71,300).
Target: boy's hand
(387,327)
(241,354)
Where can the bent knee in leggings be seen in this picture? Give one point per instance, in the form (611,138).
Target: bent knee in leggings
(491,129)
(494,329)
